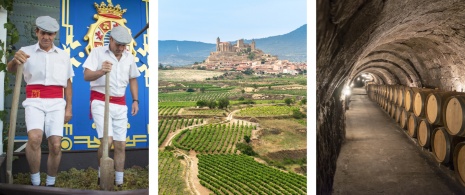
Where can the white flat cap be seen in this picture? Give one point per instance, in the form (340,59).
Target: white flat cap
(121,35)
(47,24)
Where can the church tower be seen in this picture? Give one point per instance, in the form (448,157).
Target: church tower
(218,44)
(252,45)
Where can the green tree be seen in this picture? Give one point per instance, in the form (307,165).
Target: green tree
(248,71)
(202,89)
(247,138)
(303,101)
(251,56)
(297,114)
(212,104)
(202,103)
(223,103)
(288,101)
(160,66)
(245,149)
(243,91)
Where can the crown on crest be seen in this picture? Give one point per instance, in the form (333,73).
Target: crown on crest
(110,10)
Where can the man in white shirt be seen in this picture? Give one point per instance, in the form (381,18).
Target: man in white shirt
(47,72)
(115,59)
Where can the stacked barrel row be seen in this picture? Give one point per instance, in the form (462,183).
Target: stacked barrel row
(435,118)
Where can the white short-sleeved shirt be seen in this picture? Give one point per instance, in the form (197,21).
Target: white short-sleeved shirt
(47,68)
(120,73)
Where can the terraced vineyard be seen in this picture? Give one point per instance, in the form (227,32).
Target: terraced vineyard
(168,110)
(194,96)
(165,126)
(217,138)
(299,92)
(241,174)
(170,175)
(208,112)
(255,121)
(267,111)
(177,104)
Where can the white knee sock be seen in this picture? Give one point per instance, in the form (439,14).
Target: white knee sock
(50,180)
(119,177)
(35,178)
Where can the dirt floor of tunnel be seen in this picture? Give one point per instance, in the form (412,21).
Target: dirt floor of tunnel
(378,157)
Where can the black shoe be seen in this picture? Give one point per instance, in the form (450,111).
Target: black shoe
(98,181)
(50,185)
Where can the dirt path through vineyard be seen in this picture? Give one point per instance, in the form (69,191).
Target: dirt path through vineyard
(192,168)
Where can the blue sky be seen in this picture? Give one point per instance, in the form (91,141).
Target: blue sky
(204,20)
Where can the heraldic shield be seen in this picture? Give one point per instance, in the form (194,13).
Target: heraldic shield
(108,17)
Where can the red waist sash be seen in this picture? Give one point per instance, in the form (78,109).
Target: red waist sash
(100,96)
(42,91)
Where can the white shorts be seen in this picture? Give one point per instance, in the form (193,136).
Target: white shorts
(117,122)
(46,114)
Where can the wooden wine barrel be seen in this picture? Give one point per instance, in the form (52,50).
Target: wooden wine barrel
(424,133)
(419,101)
(404,118)
(435,102)
(412,125)
(385,104)
(459,162)
(384,91)
(395,97)
(398,113)
(400,95)
(442,145)
(392,92)
(393,111)
(388,107)
(408,100)
(454,115)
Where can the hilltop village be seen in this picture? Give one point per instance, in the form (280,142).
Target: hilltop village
(246,57)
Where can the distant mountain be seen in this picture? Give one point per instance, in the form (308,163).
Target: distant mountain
(291,46)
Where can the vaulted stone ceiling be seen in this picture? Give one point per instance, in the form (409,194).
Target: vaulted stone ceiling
(417,43)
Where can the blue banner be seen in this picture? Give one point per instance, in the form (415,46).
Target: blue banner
(86,24)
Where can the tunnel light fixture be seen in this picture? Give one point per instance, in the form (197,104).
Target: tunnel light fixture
(347,90)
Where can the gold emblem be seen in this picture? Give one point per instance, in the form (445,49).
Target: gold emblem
(108,16)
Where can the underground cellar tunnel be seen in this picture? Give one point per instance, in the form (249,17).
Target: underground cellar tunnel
(416,44)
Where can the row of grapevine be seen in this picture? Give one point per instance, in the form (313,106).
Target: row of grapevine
(168,110)
(194,96)
(170,175)
(178,104)
(165,126)
(241,174)
(267,111)
(219,138)
(299,92)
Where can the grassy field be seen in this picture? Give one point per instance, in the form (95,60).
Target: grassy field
(279,135)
